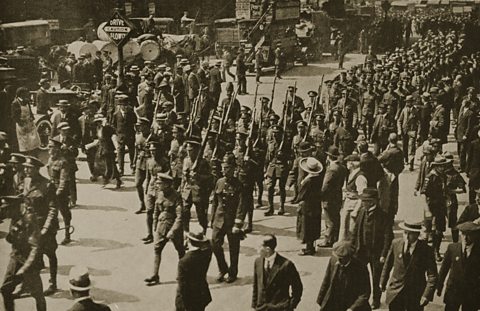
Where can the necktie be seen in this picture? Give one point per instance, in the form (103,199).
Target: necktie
(407,254)
(465,254)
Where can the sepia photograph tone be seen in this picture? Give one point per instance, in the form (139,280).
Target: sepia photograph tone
(237,155)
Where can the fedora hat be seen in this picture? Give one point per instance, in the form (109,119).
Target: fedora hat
(305,146)
(343,249)
(333,151)
(441,160)
(197,238)
(411,226)
(311,165)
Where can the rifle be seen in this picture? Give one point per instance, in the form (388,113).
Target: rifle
(284,119)
(250,132)
(316,102)
(223,121)
(293,100)
(193,112)
(204,141)
(273,93)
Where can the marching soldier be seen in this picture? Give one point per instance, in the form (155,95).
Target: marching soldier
(58,172)
(25,261)
(16,165)
(177,153)
(368,106)
(435,191)
(157,163)
(407,124)
(142,131)
(295,106)
(196,184)
(277,169)
(167,222)
(454,184)
(227,219)
(124,121)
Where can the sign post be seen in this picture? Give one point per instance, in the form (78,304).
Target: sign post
(118,28)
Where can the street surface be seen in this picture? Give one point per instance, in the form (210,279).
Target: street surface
(107,234)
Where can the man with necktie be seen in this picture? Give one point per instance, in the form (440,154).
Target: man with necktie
(461,263)
(275,277)
(413,271)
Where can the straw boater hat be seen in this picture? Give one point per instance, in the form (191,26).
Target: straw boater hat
(311,165)
(79,279)
(411,226)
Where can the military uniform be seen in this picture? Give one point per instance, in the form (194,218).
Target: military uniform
(195,189)
(25,262)
(227,213)
(167,223)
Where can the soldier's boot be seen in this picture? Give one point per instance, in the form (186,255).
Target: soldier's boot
(249,227)
(67,239)
(149,238)
(411,165)
(52,288)
(270,210)
(281,211)
(154,279)
(455,235)
(436,241)
(141,209)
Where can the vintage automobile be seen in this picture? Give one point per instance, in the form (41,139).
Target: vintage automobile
(33,33)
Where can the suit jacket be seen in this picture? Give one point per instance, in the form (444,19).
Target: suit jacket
(88,129)
(465,126)
(43,104)
(273,292)
(416,279)
(333,181)
(422,174)
(88,305)
(125,125)
(392,159)
(408,120)
(70,119)
(438,124)
(192,288)
(463,284)
(473,164)
(357,288)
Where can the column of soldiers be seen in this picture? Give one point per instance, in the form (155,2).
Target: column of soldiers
(188,148)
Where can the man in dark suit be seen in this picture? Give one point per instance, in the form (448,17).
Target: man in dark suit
(42,101)
(64,114)
(472,211)
(124,121)
(473,168)
(438,125)
(333,181)
(414,275)
(88,133)
(346,284)
(274,277)
(461,263)
(193,293)
(464,132)
(216,80)
(79,281)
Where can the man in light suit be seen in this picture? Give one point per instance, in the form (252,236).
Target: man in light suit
(274,278)
(414,275)
(461,263)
